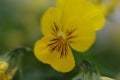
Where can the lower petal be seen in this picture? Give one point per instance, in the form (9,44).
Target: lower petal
(43,53)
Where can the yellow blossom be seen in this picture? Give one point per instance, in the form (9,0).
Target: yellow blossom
(71,24)
(3,68)
(106,78)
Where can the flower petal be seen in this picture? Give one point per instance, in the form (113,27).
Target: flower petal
(83,10)
(61,3)
(2,75)
(83,42)
(95,16)
(3,66)
(43,53)
(50,20)
(81,36)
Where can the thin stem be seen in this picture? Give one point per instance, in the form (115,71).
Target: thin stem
(14,58)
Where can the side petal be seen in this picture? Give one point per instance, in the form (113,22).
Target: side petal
(82,35)
(44,54)
(83,42)
(50,20)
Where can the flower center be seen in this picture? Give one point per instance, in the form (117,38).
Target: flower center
(61,40)
(61,35)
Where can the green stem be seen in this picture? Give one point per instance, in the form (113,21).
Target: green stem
(15,58)
(20,69)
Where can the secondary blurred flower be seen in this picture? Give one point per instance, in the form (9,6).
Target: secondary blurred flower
(71,24)
(11,62)
(106,78)
(3,68)
(112,4)
(106,6)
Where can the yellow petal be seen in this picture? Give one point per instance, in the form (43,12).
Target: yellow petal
(72,8)
(85,11)
(94,16)
(82,36)
(44,54)
(2,75)
(50,19)
(83,42)
(60,3)
(106,78)
(103,9)
(3,66)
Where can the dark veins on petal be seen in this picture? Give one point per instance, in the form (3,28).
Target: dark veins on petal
(60,44)
(70,34)
(55,29)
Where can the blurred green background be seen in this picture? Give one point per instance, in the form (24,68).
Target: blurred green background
(20,26)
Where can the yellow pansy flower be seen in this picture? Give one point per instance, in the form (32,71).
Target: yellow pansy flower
(106,78)
(71,24)
(3,68)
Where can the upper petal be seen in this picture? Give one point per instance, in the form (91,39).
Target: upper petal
(44,54)
(50,21)
(95,16)
(61,3)
(83,10)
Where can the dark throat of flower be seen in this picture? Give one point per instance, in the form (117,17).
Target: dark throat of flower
(60,46)
(61,40)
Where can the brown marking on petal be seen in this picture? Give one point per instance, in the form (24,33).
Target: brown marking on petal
(54,39)
(54,34)
(66,49)
(60,43)
(70,37)
(69,33)
(55,47)
(55,29)
(60,46)
(64,52)
(52,43)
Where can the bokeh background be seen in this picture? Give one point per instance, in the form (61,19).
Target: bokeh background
(20,26)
